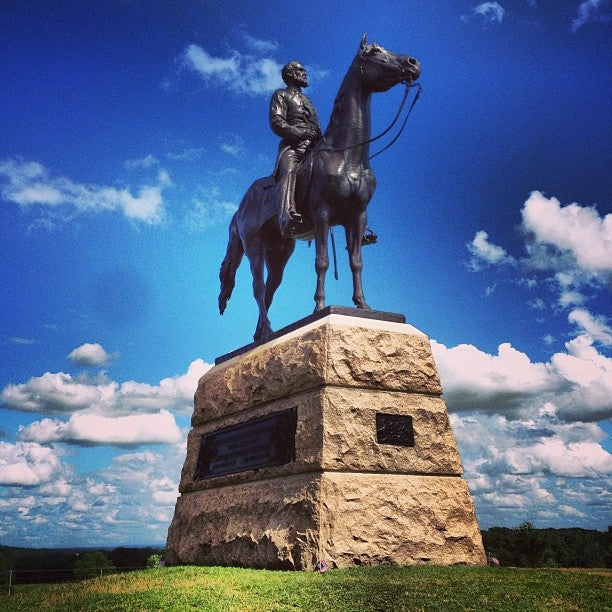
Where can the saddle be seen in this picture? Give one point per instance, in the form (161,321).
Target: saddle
(303,174)
(304,169)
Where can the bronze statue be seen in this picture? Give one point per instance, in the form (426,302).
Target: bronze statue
(294,119)
(334,184)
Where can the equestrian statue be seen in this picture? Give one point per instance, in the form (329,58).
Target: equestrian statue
(319,181)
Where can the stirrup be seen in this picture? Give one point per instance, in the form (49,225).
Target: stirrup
(369,237)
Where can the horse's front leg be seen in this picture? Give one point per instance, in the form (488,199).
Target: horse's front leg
(256,257)
(354,234)
(321,258)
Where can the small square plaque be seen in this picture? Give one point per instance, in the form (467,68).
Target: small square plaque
(394,429)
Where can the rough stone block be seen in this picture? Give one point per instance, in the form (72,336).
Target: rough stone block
(344,518)
(337,351)
(349,494)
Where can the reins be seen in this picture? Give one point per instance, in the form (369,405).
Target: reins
(409,86)
(414,101)
(399,112)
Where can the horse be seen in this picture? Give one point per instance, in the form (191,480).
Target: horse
(334,186)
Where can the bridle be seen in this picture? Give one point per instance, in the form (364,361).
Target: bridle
(409,85)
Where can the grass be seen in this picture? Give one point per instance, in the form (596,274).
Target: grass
(355,589)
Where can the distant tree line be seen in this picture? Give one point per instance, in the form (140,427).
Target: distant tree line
(523,546)
(526,546)
(31,565)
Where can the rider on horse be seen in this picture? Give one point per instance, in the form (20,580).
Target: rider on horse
(294,119)
(328,195)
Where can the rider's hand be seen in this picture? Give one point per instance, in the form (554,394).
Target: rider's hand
(310,133)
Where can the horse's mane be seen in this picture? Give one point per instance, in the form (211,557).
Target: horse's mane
(340,97)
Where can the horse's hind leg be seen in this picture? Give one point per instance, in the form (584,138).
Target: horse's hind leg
(354,233)
(256,257)
(276,262)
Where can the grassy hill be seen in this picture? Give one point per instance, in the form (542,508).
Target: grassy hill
(351,590)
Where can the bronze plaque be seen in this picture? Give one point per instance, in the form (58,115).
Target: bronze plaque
(258,443)
(394,429)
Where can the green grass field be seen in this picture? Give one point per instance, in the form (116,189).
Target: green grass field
(362,588)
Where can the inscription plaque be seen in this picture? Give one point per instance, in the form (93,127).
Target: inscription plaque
(263,442)
(394,429)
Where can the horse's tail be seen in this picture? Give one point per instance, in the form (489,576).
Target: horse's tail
(233,257)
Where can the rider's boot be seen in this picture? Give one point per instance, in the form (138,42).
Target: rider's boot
(289,218)
(290,223)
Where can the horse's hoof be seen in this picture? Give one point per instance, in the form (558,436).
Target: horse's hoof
(320,306)
(263,335)
(363,306)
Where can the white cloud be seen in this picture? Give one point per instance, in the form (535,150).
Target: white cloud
(57,489)
(590,11)
(567,249)
(89,354)
(144,457)
(22,341)
(577,460)
(164,490)
(502,383)
(534,469)
(60,393)
(233,145)
(244,74)
(127,502)
(484,251)
(576,384)
(582,364)
(146,162)
(572,229)
(89,429)
(193,154)
(571,511)
(573,243)
(30,183)
(54,393)
(209,208)
(261,46)
(26,464)
(595,327)
(567,299)
(492,12)
(537,304)
(99,488)
(496,447)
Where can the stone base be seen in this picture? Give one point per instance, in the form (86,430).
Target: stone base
(344,518)
(345,494)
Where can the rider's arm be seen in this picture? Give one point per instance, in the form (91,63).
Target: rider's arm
(278,119)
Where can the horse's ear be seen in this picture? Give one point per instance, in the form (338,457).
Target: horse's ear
(364,43)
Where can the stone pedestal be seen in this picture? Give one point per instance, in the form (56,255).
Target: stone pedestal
(329,442)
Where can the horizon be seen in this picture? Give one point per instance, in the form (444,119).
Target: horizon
(111,547)
(131,132)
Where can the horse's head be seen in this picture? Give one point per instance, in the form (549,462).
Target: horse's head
(382,69)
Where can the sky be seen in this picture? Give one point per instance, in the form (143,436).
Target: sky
(129,132)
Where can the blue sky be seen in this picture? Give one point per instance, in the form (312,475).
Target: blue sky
(129,133)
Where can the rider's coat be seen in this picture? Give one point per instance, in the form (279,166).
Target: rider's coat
(291,113)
